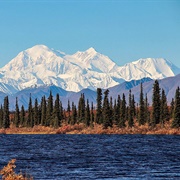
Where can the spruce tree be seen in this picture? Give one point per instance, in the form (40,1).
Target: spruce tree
(92,114)
(99,106)
(30,118)
(49,110)
(111,110)
(1,117)
(147,112)
(69,111)
(106,111)
(122,112)
(81,108)
(137,111)
(164,112)
(61,113)
(74,114)
(87,114)
(115,113)
(22,116)
(43,111)
(142,119)
(172,109)
(6,120)
(133,106)
(17,114)
(57,112)
(36,113)
(156,104)
(176,119)
(130,112)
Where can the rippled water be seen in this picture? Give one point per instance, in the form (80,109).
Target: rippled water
(93,156)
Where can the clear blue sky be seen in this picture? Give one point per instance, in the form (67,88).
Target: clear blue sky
(123,30)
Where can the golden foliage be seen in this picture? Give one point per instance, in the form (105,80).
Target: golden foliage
(98,129)
(70,128)
(27,130)
(94,129)
(8,172)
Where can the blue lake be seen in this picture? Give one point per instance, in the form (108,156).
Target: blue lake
(93,156)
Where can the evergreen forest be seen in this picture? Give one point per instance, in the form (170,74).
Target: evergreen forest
(122,112)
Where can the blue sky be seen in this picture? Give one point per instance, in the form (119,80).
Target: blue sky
(123,30)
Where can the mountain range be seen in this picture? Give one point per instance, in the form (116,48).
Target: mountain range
(40,69)
(40,65)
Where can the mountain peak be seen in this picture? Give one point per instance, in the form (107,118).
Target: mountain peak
(38,48)
(42,46)
(159,61)
(91,50)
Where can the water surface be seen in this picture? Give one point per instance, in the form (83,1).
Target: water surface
(93,156)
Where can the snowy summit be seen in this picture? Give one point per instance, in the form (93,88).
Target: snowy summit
(41,65)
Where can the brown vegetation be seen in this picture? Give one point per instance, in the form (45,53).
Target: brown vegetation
(8,172)
(27,130)
(98,129)
(95,129)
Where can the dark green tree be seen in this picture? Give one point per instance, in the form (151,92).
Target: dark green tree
(156,104)
(74,114)
(17,114)
(61,113)
(92,114)
(22,116)
(141,119)
(137,111)
(1,117)
(130,113)
(147,112)
(69,112)
(164,112)
(57,116)
(81,109)
(122,112)
(176,119)
(172,109)
(43,111)
(87,114)
(133,106)
(115,113)
(99,106)
(36,113)
(106,111)
(111,110)
(49,116)
(6,119)
(30,118)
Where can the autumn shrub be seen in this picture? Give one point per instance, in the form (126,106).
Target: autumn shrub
(8,173)
(69,128)
(2,131)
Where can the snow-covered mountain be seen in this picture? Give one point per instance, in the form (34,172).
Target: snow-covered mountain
(40,65)
(169,84)
(154,68)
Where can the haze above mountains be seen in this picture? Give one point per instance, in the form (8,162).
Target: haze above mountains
(40,69)
(40,65)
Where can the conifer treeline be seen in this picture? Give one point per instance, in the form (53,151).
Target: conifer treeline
(108,113)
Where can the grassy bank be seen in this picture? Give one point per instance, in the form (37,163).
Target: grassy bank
(96,129)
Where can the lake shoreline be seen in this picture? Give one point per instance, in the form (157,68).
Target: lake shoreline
(95,129)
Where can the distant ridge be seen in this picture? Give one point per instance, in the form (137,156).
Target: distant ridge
(169,84)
